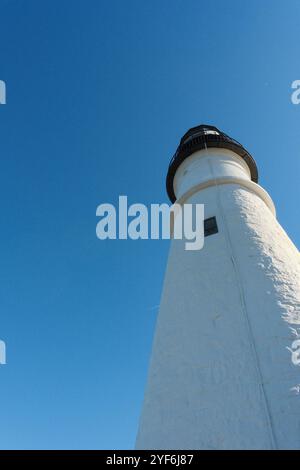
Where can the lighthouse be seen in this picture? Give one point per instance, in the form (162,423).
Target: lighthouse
(225,364)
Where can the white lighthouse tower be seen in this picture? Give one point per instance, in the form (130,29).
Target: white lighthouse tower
(225,365)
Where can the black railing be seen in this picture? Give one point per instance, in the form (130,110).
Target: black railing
(202,137)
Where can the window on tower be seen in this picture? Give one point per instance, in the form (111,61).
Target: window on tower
(210,226)
(210,131)
(201,133)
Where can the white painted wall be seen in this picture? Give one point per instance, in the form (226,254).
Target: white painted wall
(221,376)
(206,165)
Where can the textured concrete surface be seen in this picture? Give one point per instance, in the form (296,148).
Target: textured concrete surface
(221,374)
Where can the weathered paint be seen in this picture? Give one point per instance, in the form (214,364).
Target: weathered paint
(221,373)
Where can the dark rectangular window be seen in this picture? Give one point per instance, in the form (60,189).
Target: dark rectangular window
(210,226)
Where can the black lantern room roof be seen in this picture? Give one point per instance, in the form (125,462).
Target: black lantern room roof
(201,137)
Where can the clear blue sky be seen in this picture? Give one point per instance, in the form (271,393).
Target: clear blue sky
(98,95)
